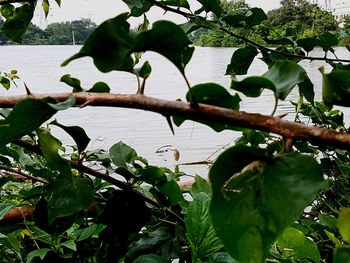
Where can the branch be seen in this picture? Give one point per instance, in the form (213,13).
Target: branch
(243,38)
(287,129)
(18,172)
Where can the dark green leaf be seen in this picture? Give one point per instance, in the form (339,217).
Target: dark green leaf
(341,255)
(67,196)
(306,88)
(235,20)
(39,253)
(70,102)
(296,246)
(221,257)
(248,188)
(328,40)
(212,6)
(4,208)
(50,146)
(16,25)
(117,41)
(138,7)
(150,259)
(153,175)
(70,244)
(73,82)
(177,3)
(212,94)
(90,231)
(77,133)
(255,16)
(241,60)
(25,117)
(100,87)
(189,27)
(253,86)
(200,232)
(167,39)
(5,82)
(309,43)
(161,241)
(285,75)
(336,87)
(122,154)
(144,71)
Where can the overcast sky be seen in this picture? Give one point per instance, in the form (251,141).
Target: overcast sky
(99,10)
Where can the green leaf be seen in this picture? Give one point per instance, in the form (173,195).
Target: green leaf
(253,86)
(122,154)
(100,87)
(212,6)
(167,39)
(336,87)
(46,7)
(25,117)
(212,94)
(296,246)
(341,255)
(73,82)
(70,102)
(77,133)
(16,25)
(172,190)
(235,20)
(161,241)
(70,244)
(177,3)
(7,10)
(90,231)
(144,71)
(255,16)
(39,253)
(221,257)
(153,175)
(200,231)
(115,52)
(58,2)
(5,82)
(4,209)
(50,146)
(306,88)
(285,75)
(138,7)
(200,186)
(67,196)
(241,60)
(343,223)
(255,197)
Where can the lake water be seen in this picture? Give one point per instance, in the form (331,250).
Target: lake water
(39,67)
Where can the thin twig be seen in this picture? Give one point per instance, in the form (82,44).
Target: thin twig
(19,172)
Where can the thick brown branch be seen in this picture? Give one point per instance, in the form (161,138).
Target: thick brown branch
(18,214)
(275,125)
(18,172)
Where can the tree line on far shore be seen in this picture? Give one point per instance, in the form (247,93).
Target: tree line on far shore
(62,33)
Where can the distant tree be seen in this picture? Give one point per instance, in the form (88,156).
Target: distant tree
(82,28)
(59,33)
(308,19)
(34,36)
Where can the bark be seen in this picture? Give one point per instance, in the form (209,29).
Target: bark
(287,129)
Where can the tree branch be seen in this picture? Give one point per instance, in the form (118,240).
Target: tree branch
(287,129)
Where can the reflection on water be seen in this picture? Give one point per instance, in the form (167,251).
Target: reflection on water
(39,67)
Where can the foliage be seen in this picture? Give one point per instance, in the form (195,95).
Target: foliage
(56,33)
(268,197)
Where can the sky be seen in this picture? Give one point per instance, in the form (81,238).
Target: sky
(100,10)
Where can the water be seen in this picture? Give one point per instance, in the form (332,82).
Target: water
(39,67)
